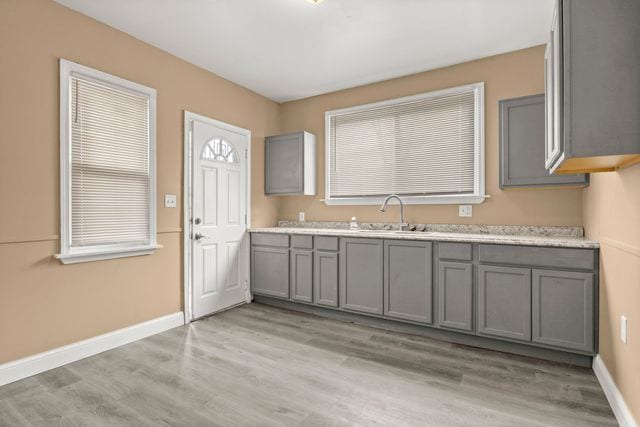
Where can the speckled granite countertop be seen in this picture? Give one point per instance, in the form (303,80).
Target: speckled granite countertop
(567,237)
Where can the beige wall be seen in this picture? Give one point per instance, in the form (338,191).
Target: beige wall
(612,216)
(514,74)
(42,303)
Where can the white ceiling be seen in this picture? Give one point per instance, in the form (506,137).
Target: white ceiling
(291,49)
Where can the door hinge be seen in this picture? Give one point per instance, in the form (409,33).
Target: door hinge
(245,219)
(246,153)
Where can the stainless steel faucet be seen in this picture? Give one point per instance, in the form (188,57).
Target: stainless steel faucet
(401,224)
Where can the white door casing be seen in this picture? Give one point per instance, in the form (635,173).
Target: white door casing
(216,241)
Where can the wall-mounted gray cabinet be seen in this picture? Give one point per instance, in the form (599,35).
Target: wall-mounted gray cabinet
(408,288)
(290,164)
(544,297)
(361,278)
(563,309)
(592,84)
(522,152)
(455,295)
(504,302)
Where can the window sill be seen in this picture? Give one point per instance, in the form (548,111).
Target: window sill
(110,254)
(411,200)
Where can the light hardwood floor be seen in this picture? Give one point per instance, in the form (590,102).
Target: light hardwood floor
(259,365)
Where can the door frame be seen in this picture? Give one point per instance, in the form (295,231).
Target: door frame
(187,199)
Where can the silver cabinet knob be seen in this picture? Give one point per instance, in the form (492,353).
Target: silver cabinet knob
(199,236)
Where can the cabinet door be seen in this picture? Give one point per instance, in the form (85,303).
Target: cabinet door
(361,275)
(302,275)
(563,309)
(552,81)
(284,164)
(270,271)
(407,280)
(455,295)
(504,302)
(556,145)
(325,278)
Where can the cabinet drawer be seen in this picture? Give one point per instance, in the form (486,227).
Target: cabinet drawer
(302,242)
(574,259)
(326,243)
(457,251)
(266,239)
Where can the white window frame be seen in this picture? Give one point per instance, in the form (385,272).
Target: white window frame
(478,195)
(69,254)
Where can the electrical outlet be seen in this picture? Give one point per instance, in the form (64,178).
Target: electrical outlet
(465,210)
(170,201)
(301,216)
(623,329)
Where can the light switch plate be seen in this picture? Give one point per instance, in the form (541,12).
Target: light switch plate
(465,210)
(170,201)
(623,329)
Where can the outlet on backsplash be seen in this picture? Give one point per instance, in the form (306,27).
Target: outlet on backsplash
(465,210)
(301,216)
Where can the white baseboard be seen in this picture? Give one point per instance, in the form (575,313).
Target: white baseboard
(32,365)
(618,405)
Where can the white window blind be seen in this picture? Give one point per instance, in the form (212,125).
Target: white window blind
(421,146)
(108,179)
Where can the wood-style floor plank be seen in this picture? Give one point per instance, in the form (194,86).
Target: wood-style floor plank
(260,365)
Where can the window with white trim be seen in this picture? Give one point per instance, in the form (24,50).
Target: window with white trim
(427,148)
(107,149)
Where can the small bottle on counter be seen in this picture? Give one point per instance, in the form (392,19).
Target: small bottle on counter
(354,224)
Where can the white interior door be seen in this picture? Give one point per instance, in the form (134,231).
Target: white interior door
(218,218)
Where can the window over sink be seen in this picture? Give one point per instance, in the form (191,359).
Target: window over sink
(427,148)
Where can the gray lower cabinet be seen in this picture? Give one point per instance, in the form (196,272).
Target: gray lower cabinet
(302,275)
(325,278)
(407,280)
(361,275)
(270,271)
(543,296)
(504,302)
(563,307)
(455,295)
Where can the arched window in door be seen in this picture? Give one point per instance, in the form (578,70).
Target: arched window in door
(221,150)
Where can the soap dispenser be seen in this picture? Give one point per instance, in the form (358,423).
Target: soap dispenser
(354,224)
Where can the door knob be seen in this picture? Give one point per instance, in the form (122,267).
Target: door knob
(199,236)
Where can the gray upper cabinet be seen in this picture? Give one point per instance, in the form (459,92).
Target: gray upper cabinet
(522,146)
(455,295)
(563,307)
(592,84)
(302,275)
(361,275)
(290,164)
(407,281)
(270,271)
(504,302)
